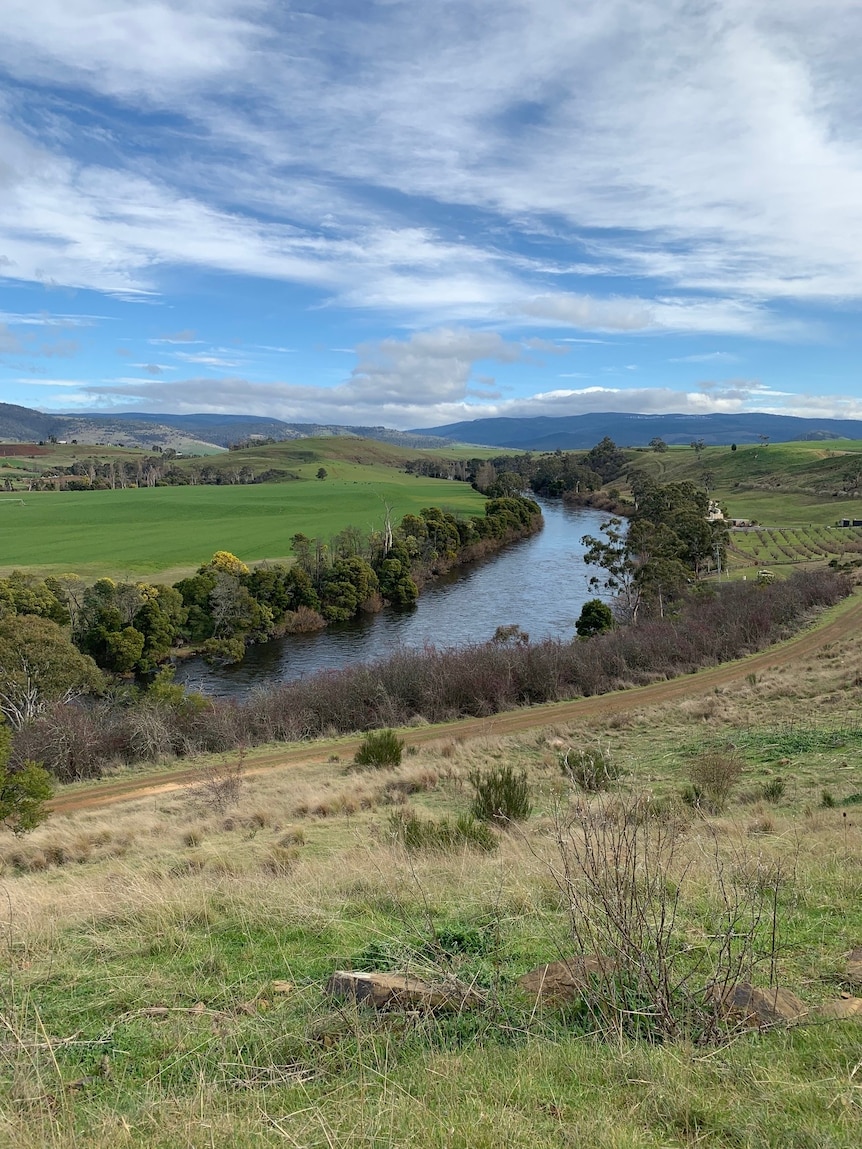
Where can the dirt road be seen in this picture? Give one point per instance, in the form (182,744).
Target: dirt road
(846,621)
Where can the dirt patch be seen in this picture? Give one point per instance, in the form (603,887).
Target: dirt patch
(10,450)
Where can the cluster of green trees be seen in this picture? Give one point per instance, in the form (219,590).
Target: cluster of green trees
(552,473)
(158,470)
(58,634)
(669,542)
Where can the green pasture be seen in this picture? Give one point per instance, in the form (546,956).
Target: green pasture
(798,484)
(170,530)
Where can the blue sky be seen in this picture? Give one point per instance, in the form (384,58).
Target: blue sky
(411,213)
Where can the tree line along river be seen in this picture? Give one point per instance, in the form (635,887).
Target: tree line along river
(538,584)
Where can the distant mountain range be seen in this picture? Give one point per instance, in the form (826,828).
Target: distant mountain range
(580,432)
(544,433)
(182,432)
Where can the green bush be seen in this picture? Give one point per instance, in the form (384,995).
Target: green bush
(774,791)
(380,748)
(501,795)
(591,768)
(442,836)
(23,792)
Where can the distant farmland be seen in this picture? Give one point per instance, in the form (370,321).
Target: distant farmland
(171,530)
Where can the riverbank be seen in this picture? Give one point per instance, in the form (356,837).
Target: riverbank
(537,584)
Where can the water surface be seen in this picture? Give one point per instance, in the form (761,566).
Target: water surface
(538,584)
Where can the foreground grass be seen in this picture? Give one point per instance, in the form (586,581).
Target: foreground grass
(146,951)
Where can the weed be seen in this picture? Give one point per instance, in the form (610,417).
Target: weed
(712,776)
(219,784)
(628,889)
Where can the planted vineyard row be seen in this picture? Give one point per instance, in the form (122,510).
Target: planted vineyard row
(769,546)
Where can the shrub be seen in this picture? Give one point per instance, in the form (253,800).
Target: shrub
(712,776)
(596,617)
(591,768)
(774,791)
(442,836)
(501,795)
(380,748)
(827,800)
(630,893)
(219,784)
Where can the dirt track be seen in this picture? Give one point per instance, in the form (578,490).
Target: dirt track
(848,621)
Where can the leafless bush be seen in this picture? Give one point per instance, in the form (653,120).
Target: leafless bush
(71,740)
(630,893)
(219,784)
(150,732)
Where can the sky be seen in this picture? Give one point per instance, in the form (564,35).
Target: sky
(408,214)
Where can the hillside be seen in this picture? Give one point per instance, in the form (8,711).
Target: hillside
(580,432)
(810,482)
(184,433)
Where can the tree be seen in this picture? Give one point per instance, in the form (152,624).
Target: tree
(321,472)
(658,444)
(595,618)
(697,445)
(733,446)
(23,792)
(38,665)
(620,565)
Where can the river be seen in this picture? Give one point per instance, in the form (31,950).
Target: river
(538,584)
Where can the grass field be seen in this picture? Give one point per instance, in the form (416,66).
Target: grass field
(165,962)
(171,530)
(784,484)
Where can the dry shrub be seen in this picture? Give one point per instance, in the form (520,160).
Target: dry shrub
(628,888)
(294,836)
(218,785)
(280,860)
(712,777)
(699,707)
(304,620)
(592,768)
(764,824)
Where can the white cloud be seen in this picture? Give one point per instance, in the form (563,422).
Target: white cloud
(713,147)
(706,357)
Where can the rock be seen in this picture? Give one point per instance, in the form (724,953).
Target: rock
(854,966)
(845,1009)
(565,980)
(396,991)
(761,1007)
